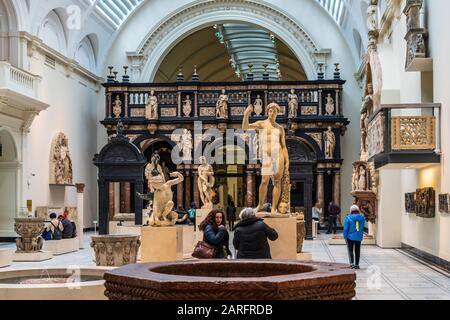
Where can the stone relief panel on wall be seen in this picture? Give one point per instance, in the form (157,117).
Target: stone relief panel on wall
(409,202)
(444,203)
(425,203)
(375,135)
(60,161)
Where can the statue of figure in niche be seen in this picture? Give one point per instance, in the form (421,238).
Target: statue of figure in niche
(364,123)
(355,179)
(329,107)
(151,109)
(60,161)
(153,168)
(187,107)
(117,107)
(186,145)
(330,143)
(222,106)
(293,104)
(362,182)
(258,105)
(205,183)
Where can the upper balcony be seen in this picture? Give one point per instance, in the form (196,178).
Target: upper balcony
(405,135)
(19,95)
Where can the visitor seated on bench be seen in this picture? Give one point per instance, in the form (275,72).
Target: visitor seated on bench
(54,229)
(69,230)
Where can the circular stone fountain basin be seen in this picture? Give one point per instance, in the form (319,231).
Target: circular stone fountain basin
(53,284)
(231,280)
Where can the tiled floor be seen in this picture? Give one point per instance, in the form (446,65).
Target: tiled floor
(386,274)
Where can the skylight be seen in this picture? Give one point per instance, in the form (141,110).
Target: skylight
(116,11)
(336,8)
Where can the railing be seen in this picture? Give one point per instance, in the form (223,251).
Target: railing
(18,80)
(404,128)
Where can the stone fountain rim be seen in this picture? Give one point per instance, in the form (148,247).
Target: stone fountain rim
(53,285)
(140,275)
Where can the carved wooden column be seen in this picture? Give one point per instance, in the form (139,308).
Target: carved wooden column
(103,201)
(111,193)
(126,104)
(187,191)
(196,193)
(337,187)
(179,104)
(250,189)
(320,193)
(337,103)
(195,103)
(320,102)
(108,105)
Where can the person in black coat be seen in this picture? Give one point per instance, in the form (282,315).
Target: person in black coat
(215,233)
(231,215)
(250,237)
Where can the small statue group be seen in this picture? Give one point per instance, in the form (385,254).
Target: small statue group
(359,179)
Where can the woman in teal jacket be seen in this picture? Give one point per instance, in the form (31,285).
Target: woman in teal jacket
(353,234)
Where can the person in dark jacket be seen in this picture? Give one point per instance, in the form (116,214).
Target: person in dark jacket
(353,234)
(69,230)
(250,236)
(215,233)
(231,215)
(333,212)
(183,217)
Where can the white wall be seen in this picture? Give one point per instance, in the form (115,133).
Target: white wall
(429,235)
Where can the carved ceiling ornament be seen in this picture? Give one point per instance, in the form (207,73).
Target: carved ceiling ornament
(60,161)
(151,47)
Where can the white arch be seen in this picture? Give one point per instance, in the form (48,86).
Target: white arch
(178,25)
(13,140)
(50,27)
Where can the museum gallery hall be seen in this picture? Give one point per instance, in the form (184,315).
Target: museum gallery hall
(224,150)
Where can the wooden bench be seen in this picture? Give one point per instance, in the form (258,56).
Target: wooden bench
(6,257)
(62,246)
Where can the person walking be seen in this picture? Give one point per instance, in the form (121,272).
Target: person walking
(215,233)
(333,212)
(316,212)
(231,215)
(250,236)
(353,234)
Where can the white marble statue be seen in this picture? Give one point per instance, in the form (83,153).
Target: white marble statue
(362,179)
(222,105)
(187,107)
(186,145)
(60,161)
(330,143)
(329,107)
(151,109)
(293,104)
(117,107)
(258,105)
(205,183)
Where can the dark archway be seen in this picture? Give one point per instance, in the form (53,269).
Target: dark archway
(119,161)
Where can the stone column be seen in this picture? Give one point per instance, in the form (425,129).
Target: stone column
(320,193)
(250,189)
(320,102)
(179,104)
(80,211)
(103,192)
(138,202)
(337,103)
(196,193)
(111,200)
(337,191)
(179,194)
(127,197)
(187,192)
(195,103)
(126,104)
(108,105)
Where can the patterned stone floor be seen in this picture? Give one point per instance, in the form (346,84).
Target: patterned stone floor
(386,274)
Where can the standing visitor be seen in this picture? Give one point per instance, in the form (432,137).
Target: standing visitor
(333,212)
(353,234)
(192,213)
(316,212)
(231,215)
(250,236)
(215,233)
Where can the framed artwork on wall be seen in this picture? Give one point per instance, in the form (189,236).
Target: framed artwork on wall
(409,202)
(444,203)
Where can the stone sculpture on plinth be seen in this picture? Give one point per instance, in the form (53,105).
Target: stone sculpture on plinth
(151,109)
(205,183)
(222,106)
(60,161)
(274,154)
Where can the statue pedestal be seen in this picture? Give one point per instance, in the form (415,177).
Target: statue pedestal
(32,256)
(188,235)
(199,217)
(304,256)
(161,244)
(285,247)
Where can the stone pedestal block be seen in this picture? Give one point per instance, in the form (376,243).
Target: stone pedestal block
(115,250)
(285,247)
(200,216)
(161,244)
(62,246)
(304,256)
(188,234)
(6,256)
(32,256)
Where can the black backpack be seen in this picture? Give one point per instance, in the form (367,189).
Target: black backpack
(57,233)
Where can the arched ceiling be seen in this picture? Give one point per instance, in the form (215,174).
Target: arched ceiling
(225,55)
(117,11)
